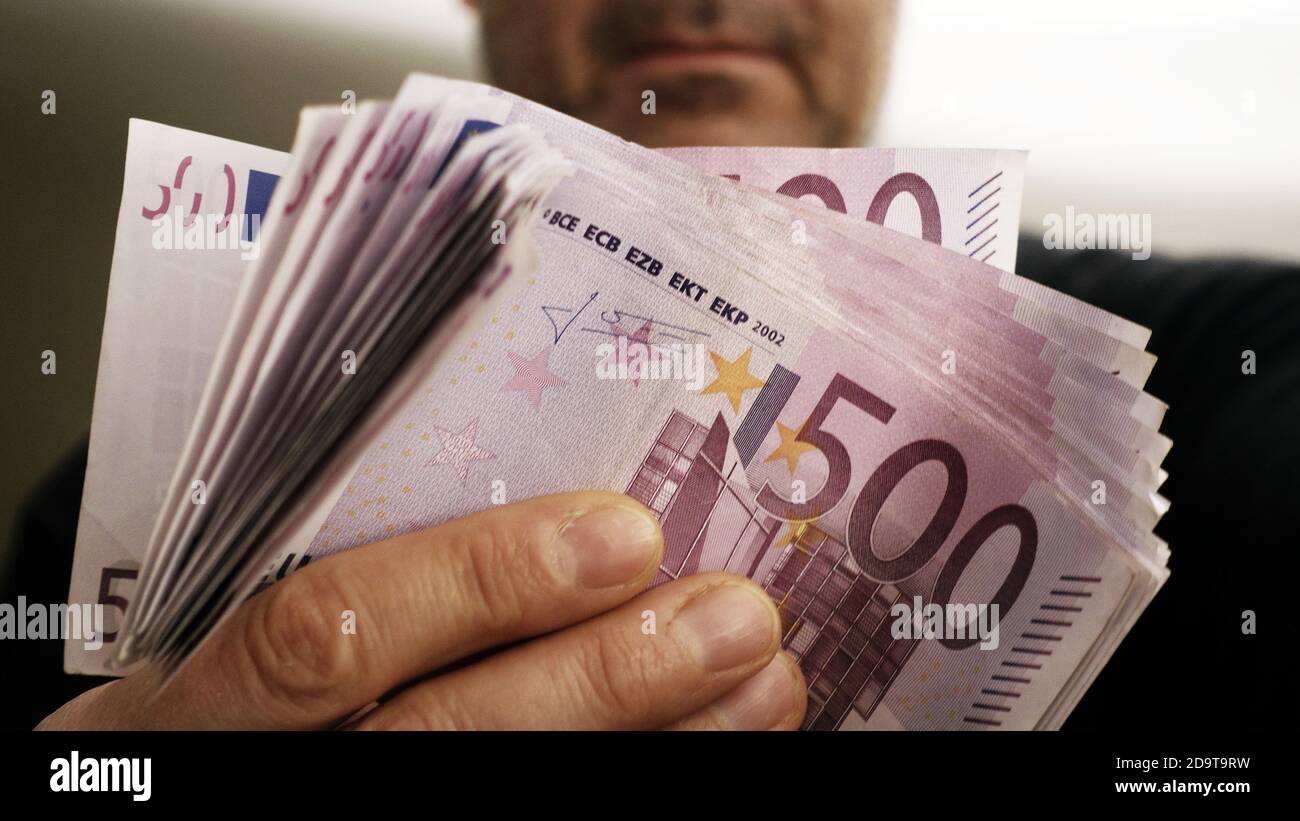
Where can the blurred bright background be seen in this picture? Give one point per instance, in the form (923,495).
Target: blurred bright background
(1184,109)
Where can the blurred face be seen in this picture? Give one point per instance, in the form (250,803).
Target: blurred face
(722,72)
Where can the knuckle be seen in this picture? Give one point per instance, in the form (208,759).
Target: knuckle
(294,649)
(495,577)
(616,677)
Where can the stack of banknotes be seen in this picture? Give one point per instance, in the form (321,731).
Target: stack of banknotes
(815,366)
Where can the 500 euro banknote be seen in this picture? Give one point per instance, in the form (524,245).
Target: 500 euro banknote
(817,465)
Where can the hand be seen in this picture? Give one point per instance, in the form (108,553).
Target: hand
(557,581)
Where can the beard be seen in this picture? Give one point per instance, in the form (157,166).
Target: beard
(624,29)
(794,93)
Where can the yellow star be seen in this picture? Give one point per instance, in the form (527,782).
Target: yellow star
(793,534)
(734,378)
(790,448)
(795,529)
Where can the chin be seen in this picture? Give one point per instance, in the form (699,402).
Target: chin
(714,128)
(729,131)
(745,102)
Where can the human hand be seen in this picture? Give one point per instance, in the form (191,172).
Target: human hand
(556,581)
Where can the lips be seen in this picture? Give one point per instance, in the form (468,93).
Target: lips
(697,54)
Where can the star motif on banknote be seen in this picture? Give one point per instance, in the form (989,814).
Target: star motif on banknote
(533,375)
(459,449)
(790,448)
(795,529)
(734,378)
(640,337)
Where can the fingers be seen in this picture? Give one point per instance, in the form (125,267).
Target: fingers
(774,698)
(710,633)
(418,602)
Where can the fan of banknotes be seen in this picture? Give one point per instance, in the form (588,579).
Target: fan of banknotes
(815,366)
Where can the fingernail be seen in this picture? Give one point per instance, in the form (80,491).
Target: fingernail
(609,546)
(726,627)
(762,702)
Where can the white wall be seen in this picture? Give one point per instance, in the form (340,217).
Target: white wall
(1185,109)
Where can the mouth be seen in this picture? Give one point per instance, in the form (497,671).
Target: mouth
(683,56)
